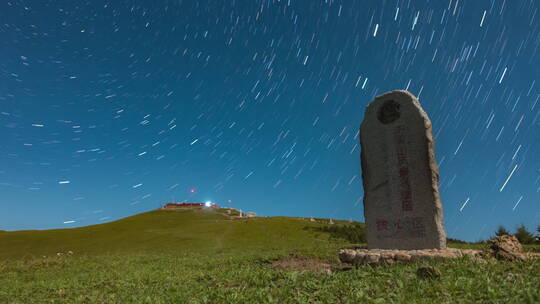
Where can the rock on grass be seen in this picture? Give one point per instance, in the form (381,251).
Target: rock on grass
(428,272)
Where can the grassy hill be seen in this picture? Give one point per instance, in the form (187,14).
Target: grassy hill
(167,231)
(188,256)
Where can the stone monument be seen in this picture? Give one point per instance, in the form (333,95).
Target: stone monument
(402,208)
(400,175)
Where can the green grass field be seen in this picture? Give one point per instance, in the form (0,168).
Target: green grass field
(205,257)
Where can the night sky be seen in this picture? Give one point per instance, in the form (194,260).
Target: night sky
(112,108)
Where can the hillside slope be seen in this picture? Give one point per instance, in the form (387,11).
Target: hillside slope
(189,231)
(189,256)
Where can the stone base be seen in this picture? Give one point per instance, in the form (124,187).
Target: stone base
(391,256)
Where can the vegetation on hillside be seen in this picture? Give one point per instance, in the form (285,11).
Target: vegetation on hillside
(501,231)
(523,235)
(354,233)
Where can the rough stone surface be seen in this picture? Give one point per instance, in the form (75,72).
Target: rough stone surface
(386,256)
(506,247)
(400,175)
(512,252)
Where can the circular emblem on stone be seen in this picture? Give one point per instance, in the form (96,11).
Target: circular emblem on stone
(388,112)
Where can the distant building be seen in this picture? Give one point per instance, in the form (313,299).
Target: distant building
(251,214)
(188,206)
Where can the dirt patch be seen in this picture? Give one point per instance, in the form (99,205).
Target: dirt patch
(295,262)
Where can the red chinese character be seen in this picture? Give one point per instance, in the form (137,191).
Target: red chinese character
(381,225)
(406,193)
(406,198)
(404,183)
(406,205)
(404,173)
(398,225)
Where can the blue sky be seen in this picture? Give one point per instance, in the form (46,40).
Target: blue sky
(109,109)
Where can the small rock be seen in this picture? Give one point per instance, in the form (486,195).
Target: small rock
(347,255)
(359,259)
(403,257)
(372,258)
(428,272)
(506,247)
(387,255)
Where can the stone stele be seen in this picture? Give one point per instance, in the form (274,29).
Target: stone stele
(400,175)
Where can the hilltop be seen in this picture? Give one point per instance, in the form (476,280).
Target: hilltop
(208,230)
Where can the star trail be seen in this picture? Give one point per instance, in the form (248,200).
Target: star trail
(112,108)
